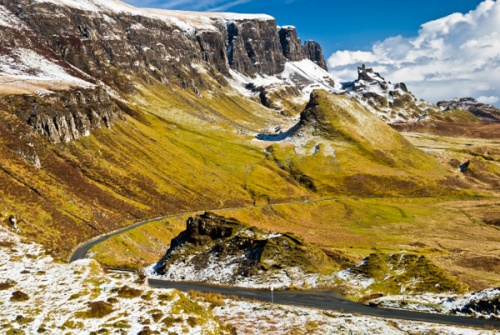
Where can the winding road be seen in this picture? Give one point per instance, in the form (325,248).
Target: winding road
(326,300)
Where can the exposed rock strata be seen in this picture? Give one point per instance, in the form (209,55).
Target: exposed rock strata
(293,50)
(291,44)
(66,115)
(110,44)
(484,112)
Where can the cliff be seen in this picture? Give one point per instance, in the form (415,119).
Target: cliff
(95,43)
(110,40)
(64,116)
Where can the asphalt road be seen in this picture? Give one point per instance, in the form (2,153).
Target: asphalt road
(326,300)
(81,251)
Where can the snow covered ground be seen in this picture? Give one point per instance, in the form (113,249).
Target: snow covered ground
(26,65)
(23,70)
(258,318)
(304,75)
(441,303)
(57,298)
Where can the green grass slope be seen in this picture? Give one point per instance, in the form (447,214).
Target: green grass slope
(177,151)
(368,158)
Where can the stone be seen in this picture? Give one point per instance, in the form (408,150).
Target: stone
(250,250)
(291,44)
(314,52)
(464,167)
(484,112)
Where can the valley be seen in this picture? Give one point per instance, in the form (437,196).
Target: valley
(217,148)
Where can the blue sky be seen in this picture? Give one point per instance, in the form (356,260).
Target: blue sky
(440,48)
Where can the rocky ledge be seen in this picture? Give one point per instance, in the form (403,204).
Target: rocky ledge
(65,116)
(391,102)
(225,251)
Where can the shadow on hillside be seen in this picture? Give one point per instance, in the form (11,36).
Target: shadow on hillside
(280,136)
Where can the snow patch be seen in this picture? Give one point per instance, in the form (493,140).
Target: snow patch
(25,64)
(8,20)
(441,303)
(57,292)
(257,318)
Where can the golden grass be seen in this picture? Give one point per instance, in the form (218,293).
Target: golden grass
(178,151)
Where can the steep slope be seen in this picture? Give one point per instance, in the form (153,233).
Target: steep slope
(340,147)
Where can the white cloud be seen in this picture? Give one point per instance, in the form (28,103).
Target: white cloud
(457,55)
(488,100)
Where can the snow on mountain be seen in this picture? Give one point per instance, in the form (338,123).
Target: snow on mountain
(391,102)
(7,19)
(294,85)
(95,5)
(25,65)
(28,68)
(189,22)
(484,112)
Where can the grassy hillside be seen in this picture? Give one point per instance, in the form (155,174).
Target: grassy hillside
(366,157)
(177,150)
(446,231)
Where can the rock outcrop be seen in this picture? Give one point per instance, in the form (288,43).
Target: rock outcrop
(293,49)
(484,112)
(391,102)
(291,44)
(65,115)
(314,52)
(253,47)
(221,250)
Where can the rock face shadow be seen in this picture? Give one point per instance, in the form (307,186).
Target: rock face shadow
(280,136)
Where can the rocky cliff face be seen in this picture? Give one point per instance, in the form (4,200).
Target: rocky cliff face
(253,47)
(110,43)
(291,44)
(484,112)
(293,49)
(65,115)
(225,251)
(314,52)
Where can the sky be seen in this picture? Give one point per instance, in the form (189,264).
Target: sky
(440,49)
